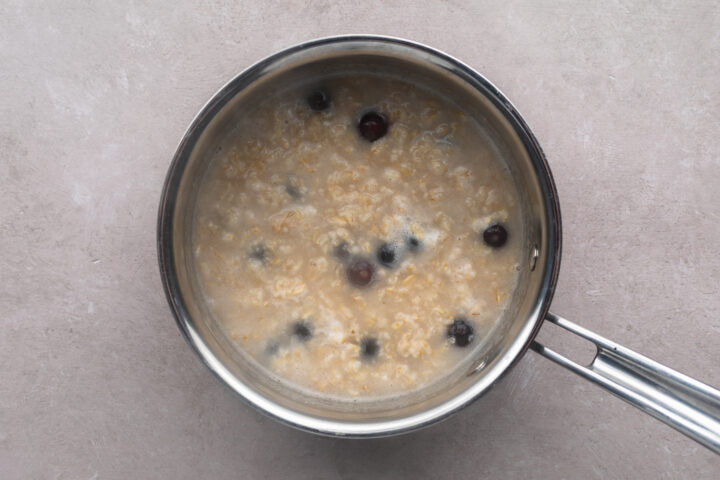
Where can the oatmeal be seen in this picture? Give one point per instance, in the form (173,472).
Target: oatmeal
(359,237)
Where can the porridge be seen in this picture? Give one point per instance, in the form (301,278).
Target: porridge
(357,238)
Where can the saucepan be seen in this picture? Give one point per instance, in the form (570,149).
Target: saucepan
(685,404)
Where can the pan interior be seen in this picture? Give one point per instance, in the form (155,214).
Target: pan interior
(497,350)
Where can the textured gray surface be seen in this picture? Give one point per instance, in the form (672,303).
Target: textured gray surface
(96,381)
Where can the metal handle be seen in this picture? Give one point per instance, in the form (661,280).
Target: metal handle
(688,406)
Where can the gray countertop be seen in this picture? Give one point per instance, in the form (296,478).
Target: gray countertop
(96,380)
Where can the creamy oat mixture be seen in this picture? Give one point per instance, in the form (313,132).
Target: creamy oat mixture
(359,237)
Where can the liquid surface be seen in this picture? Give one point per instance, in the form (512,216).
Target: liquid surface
(355,258)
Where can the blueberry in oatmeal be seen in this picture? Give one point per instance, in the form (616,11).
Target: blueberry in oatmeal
(361,272)
(302,330)
(386,254)
(373,126)
(342,251)
(318,100)
(413,244)
(369,348)
(495,235)
(259,253)
(292,189)
(272,347)
(460,332)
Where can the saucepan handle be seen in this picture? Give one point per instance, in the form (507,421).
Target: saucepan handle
(689,406)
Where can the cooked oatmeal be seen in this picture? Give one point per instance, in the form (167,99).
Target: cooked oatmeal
(359,237)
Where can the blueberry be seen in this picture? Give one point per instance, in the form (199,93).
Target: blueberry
(460,332)
(369,348)
(386,254)
(302,330)
(259,253)
(413,244)
(495,235)
(293,190)
(373,126)
(272,347)
(318,100)
(361,272)
(342,251)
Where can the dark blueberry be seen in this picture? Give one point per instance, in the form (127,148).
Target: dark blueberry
(413,244)
(342,251)
(272,347)
(460,332)
(361,272)
(369,348)
(302,330)
(259,253)
(373,126)
(293,190)
(386,254)
(318,100)
(495,235)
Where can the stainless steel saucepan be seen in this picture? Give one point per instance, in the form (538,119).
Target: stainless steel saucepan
(685,404)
